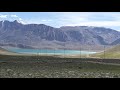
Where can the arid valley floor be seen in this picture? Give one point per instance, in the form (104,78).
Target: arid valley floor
(13,66)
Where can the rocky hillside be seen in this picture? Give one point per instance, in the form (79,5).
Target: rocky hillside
(92,35)
(113,52)
(40,35)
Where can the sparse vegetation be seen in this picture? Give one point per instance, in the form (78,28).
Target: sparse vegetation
(113,53)
(54,67)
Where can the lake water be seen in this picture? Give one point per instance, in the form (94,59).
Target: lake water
(46,51)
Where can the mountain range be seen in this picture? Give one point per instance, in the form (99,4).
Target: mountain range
(14,33)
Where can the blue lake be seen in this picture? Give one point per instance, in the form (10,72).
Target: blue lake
(46,51)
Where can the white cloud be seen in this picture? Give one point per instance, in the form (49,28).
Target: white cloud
(14,16)
(20,19)
(3,16)
(44,20)
(50,20)
(59,19)
(96,23)
(11,18)
(101,19)
(73,17)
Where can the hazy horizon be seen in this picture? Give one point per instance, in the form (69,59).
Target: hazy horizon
(58,19)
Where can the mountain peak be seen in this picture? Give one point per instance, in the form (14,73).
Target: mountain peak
(17,21)
(4,21)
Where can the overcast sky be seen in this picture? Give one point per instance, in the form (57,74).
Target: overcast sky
(58,19)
